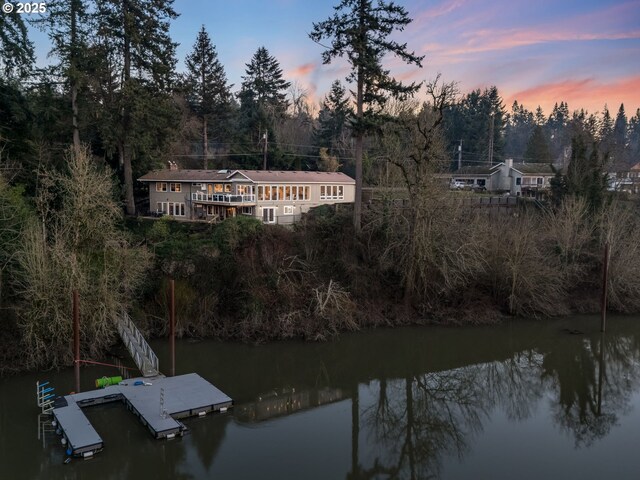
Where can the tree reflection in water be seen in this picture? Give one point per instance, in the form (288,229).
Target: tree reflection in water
(418,420)
(593,380)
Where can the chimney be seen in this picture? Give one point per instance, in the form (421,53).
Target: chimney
(173,165)
(509,162)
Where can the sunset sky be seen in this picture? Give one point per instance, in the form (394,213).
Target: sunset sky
(539,52)
(585,52)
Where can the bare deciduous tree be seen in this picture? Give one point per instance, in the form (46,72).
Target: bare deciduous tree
(84,249)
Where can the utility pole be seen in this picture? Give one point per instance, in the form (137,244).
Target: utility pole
(491,140)
(460,155)
(605,285)
(264,150)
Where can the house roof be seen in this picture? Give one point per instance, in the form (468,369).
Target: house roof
(534,168)
(474,170)
(167,175)
(256,176)
(266,176)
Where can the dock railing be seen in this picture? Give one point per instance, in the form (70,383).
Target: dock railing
(143,356)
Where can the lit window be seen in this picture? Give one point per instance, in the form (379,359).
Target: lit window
(161,187)
(175,187)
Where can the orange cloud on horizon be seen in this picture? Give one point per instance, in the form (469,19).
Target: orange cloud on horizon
(584,93)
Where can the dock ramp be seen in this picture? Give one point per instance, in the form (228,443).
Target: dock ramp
(140,351)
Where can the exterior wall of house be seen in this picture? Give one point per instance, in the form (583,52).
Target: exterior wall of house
(164,197)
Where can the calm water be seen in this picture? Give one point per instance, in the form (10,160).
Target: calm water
(523,400)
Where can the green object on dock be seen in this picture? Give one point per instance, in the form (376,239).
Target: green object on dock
(106,381)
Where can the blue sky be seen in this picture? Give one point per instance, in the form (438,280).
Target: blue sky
(585,52)
(539,52)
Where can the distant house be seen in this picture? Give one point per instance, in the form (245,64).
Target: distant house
(518,179)
(525,179)
(272,196)
(626,180)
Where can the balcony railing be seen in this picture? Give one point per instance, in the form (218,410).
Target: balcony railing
(222,198)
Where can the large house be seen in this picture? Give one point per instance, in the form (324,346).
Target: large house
(519,179)
(272,196)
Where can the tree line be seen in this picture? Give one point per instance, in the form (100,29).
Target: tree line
(113,84)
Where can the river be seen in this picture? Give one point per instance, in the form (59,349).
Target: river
(524,399)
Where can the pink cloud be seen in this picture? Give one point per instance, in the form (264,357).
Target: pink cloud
(439,10)
(302,70)
(585,93)
(491,40)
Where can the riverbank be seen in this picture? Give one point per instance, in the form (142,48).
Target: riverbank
(244,281)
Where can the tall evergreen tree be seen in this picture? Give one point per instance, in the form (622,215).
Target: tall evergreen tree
(16,50)
(605,131)
(67,24)
(537,147)
(633,147)
(619,137)
(206,88)
(135,40)
(479,120)
(16,130)
(539,117)
(518,130)
(333,119)
(263,97)
(360,30)
(556,131)
(586,173)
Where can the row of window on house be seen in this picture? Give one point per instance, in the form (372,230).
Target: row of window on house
(265,192)
(298,192)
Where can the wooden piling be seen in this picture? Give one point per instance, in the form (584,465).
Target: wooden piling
(76,339)
(605,282)
(172,326)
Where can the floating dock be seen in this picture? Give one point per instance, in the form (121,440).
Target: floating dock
(159,402)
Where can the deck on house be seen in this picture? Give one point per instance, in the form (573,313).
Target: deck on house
(159,402)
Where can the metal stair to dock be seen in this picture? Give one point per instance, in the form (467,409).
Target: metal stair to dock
(140,351)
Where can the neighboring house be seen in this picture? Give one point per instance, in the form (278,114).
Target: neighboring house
(518,179)
(626,180)
(272,196)
(525,179)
